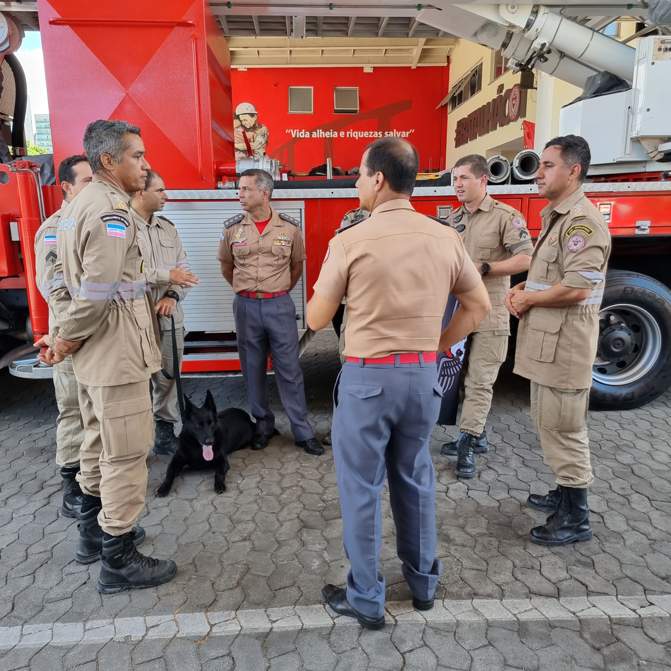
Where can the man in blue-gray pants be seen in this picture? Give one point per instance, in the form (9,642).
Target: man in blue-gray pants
(261,255)
(396,269)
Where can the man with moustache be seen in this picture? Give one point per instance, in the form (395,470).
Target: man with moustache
(558,309)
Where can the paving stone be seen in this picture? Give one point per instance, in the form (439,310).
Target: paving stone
(192,625)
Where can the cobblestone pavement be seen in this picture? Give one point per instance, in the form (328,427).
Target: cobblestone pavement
(252,560)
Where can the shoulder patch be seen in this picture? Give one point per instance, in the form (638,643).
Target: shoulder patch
(235,219)
(579,229)
(115,218)
(351,224)
(291,220)
(353,217)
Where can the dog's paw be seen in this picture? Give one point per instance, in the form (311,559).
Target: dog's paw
(162,491)
(219,488)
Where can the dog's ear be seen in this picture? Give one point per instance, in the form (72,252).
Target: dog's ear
(188,405)
(209,402)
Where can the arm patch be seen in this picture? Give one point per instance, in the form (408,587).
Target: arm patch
(114,218)
(235,219)
(291,220)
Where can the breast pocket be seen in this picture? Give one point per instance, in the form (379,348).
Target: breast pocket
(543,333)
(486,247)
(547,258)
(240,251)
(166,239)
(281,252)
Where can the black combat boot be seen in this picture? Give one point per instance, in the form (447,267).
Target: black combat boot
(481,445)
(123,567)
(569,524)
(165,442)
(546,502)
(90,542)
(465,458)
(72,495)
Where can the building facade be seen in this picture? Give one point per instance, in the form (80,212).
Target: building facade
(43,132)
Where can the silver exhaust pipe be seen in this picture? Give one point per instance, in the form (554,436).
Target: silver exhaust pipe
(499,169)
(525,165)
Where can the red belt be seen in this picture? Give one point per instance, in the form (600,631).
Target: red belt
(262,294)
(392,359)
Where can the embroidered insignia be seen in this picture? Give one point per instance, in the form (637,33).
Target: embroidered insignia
(239,237)
(120,205)
(50,240)
(66,224)
(460,228)
(115,229)
(523,233)
(291,220)
(518,223)
(457,218)
(235,219)
(51,257)
(575,243)
(113,218)
(580,229)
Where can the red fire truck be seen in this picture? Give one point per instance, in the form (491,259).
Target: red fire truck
(165,66)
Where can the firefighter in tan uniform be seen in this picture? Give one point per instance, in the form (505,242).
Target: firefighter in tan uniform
(103,319)
(74,173)
(168,277)
(261,254)
(397,269)
(558,307)
(497,240)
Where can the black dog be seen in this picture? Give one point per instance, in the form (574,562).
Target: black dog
(207,439)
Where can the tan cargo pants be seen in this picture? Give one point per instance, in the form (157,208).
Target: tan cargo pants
(69,427)
(119,433)
(560,417)
(486,352)
(164,389)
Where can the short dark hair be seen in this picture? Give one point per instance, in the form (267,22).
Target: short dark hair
(106,137)
(476,163)
(574,150)
(151,176)
(264,180)
(66,171)
(397,160)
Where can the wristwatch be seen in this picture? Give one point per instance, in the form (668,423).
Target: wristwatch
(172,294)
(484,268)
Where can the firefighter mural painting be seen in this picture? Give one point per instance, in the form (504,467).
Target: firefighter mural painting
(250,136)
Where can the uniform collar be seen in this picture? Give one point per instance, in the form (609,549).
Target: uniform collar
(274,219)
(138,217)
(395,204)
(565,204)
(113,187)
(486,204)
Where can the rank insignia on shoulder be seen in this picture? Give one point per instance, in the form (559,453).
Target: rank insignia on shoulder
(120,205)
(164,218)
(352,218)
(444,222)
(291,220)
(235,219)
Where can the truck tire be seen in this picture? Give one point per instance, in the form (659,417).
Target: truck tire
(633,362)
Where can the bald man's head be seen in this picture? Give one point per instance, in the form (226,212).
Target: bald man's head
(396,159)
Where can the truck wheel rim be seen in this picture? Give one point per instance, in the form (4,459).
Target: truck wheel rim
(646,346)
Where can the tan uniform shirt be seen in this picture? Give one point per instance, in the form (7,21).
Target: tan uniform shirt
(261,262)
(257,138)
(45,258)
(103,300)
(162,250)
(396,269)
(494,232)
(556,347)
